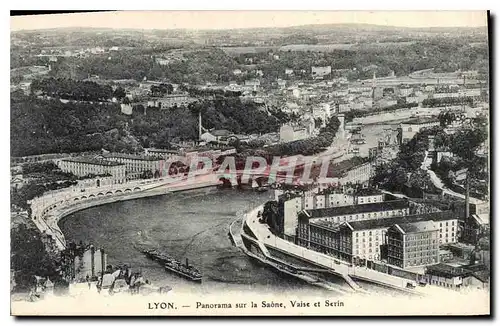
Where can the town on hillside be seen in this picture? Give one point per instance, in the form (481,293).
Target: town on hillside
(352,157)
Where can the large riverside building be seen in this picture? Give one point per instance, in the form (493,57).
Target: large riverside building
(364,239)
(413,244)
(308,220)
(84,166)
(315,198)
(136,165)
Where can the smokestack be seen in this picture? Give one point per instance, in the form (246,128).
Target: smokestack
(199,125)
(467,197)
(92,262)
(103,261)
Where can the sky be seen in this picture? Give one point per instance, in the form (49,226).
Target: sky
(248,19)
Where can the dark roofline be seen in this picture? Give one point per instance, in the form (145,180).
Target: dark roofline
(388,222)
(361,208)
(92,161)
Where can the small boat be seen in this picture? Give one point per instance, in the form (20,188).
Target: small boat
(173,265)
(186,270)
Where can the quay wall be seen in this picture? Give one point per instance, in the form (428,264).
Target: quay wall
(348,271)
(50,208)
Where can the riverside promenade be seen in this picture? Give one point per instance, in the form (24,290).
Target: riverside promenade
(50,208)
(265,239)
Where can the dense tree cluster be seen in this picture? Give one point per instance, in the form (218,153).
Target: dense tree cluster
(162,89)
(40,126)
(72,89)
(404,171)
(350,115)
(309,146)
(29,258)
(48,126)
(447,101)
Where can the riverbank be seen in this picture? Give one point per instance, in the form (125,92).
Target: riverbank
(71,203)
(259,237)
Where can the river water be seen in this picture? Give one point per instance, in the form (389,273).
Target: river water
(191,225)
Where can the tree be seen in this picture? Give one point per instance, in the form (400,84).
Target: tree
(119,93)
(29,258)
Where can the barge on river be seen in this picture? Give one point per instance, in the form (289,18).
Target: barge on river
(173,265)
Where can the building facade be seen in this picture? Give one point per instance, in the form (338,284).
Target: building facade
(84,166)
(137,165)
(413,244)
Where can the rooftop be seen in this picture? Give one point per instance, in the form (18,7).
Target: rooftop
(388,222)
(447,271)
(130,157)
(340,168)
(367,192)
(90,160)
(356,209)
(160,150)
(420,121)
(221,132)
(415,227)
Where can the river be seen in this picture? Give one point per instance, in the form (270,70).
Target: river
(191,225)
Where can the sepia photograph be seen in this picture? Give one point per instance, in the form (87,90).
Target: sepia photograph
(250,163)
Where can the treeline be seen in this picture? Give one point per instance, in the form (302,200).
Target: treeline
(49,126)
(350,115)
(443,55)
(21,196)
(447,101)
(41,126)
(404,173)
(29,257)
(196,67)
(309,146)
(233,114)
(72,89)
(200,92)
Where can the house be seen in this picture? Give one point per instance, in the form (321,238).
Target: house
(255,83)
(411,127)
(126,108)
(237,72)
(448,276)
(320,72)
(162,61)
(220,135)
(290,133)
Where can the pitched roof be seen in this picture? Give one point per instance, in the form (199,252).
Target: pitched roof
(384,223)
(414,227)
(221,132)
(356,209)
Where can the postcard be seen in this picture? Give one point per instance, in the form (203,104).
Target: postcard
(250,163)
